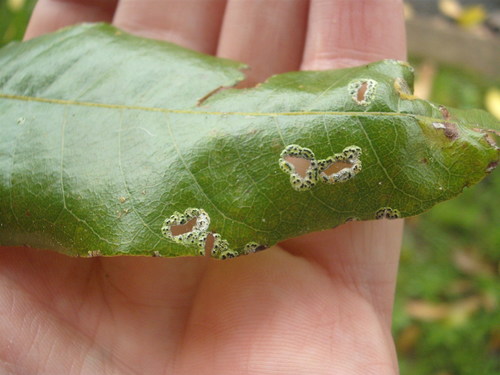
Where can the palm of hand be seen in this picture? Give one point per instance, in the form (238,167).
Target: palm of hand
(271,313)
(319,304)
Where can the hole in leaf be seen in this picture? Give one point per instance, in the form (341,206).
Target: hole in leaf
(186,227)
(300,165)
(341,167)
(209,244)
(362,91)
(337,167)
(183,228)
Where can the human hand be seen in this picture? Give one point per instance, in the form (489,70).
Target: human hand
(318,304)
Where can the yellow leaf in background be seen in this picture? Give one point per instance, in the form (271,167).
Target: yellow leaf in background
(460,311)
(408,338)
(492,101)
(450,8)
(408,11)
(472,16)
(15,5)
(426,72)
(456,313)
(427,311)
(472,264)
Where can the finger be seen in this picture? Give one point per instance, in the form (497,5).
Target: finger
(344,33)
(363,255)
(50,15)
(268,35)
(191,23)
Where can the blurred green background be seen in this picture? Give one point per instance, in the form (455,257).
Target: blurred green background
(447,316)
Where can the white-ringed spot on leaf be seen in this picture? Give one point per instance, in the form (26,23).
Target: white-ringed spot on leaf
(94,253)
(253,247)
(156,254)
(191,230)
(212,244)
(228,254)
(185,227)
(387,213)
(299,162)
(21,121)
(403,90)
(340,167)
(362,91)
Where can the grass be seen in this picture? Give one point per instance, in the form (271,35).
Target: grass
(446,317)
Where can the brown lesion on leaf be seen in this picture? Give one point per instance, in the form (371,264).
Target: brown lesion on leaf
(444,111)
(489,135)
(449,129)
(491,167)
(202,100)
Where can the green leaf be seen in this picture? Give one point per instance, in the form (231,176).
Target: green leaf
(105,135)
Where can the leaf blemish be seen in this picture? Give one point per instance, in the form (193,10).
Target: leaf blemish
(94,253)
(213,244)
(191,230)
(444,111)
(352,218)
(186,227)
(403,90)
(341,167)
(253,247)
(362,91)
(300,163)
(449,128)
(387,213)
(491,166)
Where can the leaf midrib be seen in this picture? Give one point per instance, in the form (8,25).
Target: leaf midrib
(198,112)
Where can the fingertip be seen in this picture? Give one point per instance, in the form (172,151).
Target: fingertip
(51,15)
(343,33)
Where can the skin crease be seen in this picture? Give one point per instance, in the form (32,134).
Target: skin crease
(318,304)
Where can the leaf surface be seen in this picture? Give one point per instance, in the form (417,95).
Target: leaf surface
(105,135)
